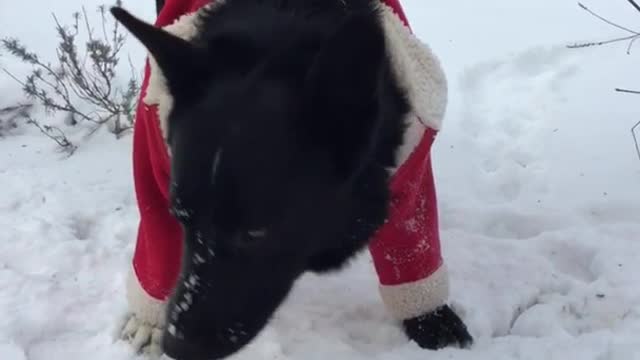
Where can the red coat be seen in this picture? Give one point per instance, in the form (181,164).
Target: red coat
(406,251)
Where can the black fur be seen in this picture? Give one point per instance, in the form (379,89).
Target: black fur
(286,115)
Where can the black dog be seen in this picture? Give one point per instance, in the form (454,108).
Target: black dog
(286,117)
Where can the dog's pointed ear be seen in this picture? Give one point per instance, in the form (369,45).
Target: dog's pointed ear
(343,90)
(180,61)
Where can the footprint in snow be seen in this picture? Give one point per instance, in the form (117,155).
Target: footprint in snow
(508,110)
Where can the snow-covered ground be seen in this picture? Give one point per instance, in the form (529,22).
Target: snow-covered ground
(539,189)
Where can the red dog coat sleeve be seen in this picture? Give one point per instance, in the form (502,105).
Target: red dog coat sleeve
(406,251)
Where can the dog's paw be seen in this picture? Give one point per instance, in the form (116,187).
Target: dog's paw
(438,329)
(145,338)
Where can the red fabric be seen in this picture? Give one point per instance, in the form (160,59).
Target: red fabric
(158,251)
(405,250)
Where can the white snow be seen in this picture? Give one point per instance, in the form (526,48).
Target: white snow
(539,189)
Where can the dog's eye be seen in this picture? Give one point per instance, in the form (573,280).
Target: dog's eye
(251,238)
(257,234)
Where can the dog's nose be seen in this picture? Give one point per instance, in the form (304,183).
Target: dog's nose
(178,348)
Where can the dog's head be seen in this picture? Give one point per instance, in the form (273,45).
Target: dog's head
(268,152)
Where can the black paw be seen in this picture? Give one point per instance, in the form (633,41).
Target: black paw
(438,329)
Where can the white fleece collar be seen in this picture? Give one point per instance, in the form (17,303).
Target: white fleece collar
(417,68)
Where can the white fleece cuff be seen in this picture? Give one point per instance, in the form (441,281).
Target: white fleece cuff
(146,308)
(410,300)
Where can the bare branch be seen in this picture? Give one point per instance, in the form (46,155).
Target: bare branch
(632,39)
(15,108)
(634,4)
(84,83)
(631,43)
(13,77)
(10,114)
(627,91)
(606,42)
(606,20)
(635,137)
(54,133)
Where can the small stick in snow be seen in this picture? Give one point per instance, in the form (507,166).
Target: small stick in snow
(628,91)
(635,137)
(634,4)
(632,38)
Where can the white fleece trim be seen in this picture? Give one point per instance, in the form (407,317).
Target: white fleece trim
(420,74)
(415,65)
(418,70)
(147,309)
(410,140)
(414,299)
(185,27)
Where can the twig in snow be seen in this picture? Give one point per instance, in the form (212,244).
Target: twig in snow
(632,39)
(635,137)
(635,35)
(634,4)
(635,127)
(20,108)
(607,20)
(9,115)
(605,42)
(54,133)
(627,91)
